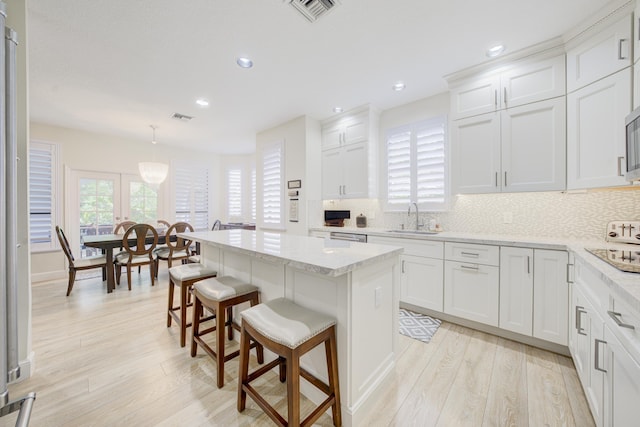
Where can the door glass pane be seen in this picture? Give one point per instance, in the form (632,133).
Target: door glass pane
(143,202)
(96,210)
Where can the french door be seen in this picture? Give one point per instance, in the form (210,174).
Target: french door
(99,200)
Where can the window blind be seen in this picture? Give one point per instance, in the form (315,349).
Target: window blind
(416,165)
(253,194)
(272,185)
(234,194)
(192,196)
(42,195)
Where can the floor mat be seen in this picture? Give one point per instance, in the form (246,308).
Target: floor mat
(418,326)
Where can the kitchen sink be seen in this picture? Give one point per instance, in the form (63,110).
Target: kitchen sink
(425,232)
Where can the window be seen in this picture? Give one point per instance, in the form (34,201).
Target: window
(416,163)
(192,195)
(253,194)
(44,189)
(272,185)
(143,202)
(234,194)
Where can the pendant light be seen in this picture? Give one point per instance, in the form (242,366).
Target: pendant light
(153,172)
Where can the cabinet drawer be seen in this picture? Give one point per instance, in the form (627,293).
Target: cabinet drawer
(423,248)
(627,325)
(592,286)
(469,252)
(471,291)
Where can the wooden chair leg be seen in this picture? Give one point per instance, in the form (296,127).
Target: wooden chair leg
(129,275)
(334,384)
(243,370)
(171,286)
(183,314)
(152,273)
(195,326)
(118,268)
(220,321)
(293,390)
(72,279)
(104,273)
(230,323)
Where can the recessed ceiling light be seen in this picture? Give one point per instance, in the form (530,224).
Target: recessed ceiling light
(244,62)
(202,102)
(399,86)
(338,109)
(495,51)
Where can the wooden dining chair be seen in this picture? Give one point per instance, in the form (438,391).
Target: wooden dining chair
(123,226)
(139,253)
(75,265)
(176,250)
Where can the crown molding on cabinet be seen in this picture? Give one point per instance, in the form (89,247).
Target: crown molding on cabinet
(609,14)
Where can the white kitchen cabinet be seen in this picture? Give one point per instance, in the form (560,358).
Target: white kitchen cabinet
(350,155)
(422,271)
(550,296)
(596,133)
(518,149)
(344,172)
(521,84)
(601,55)
(472,282)
(516,290)
(348,129)
(622,387)
(534,147)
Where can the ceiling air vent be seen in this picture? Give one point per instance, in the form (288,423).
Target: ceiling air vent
(313,9)
(182,117)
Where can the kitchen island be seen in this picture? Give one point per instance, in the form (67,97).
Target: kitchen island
(356,283)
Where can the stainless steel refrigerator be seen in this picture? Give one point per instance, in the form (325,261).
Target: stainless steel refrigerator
(9,367)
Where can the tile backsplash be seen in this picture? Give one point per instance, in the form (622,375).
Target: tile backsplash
(545,214)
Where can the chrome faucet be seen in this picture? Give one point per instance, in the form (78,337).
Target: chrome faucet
(418,225)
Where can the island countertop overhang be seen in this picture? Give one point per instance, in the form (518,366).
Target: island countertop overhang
(322,256)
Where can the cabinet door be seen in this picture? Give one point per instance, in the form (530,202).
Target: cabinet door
(475,97)
(471,292)
(331,136)
(622,388)
(516,290)
(550,296)
(534,147)
(422,282)
(332,174)
(596,134)
(603,54)
(476,154)
(595,390)
(356,129)
(355,171)
(533,82)
(579,333)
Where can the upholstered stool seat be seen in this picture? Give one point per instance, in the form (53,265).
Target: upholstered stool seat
(290,331)
(219,295)
(184,276)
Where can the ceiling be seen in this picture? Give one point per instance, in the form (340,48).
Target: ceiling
(119,66)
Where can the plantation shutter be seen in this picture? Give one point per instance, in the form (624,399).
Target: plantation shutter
(430,159)
(234,194)
(192,196)
(41,195)
(272,185)
(399,168)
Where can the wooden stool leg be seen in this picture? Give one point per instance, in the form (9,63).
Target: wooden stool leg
(293,389)
(230,323)
(334,383)
(243,370)
(195,326)
(220,322)
(183,314)
(171,286)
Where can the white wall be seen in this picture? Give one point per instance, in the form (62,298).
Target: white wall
(302,138)
(82,150)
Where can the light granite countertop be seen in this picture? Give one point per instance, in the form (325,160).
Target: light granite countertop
(626,285)
(322,256)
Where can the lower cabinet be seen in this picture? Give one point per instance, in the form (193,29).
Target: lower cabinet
(516,290)
(550,296)
(471,291)
(622,386)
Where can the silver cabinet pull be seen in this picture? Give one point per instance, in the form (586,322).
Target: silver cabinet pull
(495,97)
(570,271)
(496,179)
(470,267)
(402,266)
(616,318)
(470,254)
(579,312)
(505,178)
(620,166)
(620,55)
(528,264)
(596,355)
(505,96)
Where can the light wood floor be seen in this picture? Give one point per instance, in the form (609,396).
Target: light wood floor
(108,360)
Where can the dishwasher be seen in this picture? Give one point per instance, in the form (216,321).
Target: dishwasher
(351,237)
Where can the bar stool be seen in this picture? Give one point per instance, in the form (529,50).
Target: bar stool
(219,295)
(184,276)
(290,331)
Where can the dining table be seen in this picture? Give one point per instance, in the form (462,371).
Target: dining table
(107,242)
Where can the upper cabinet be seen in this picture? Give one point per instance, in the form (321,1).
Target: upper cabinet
(510,135)
(522,84)
(601,55)
(349,155)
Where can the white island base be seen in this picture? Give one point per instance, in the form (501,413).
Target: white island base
(356,283)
